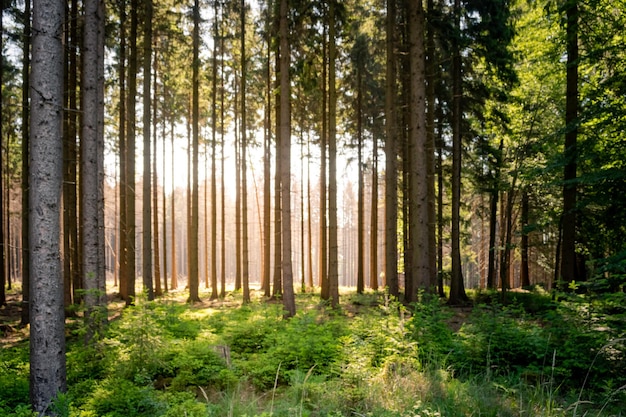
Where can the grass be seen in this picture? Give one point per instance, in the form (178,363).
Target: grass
(372,357)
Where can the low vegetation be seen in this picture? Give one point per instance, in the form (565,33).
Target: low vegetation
(372,357)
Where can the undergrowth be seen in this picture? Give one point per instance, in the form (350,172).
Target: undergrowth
(372,357)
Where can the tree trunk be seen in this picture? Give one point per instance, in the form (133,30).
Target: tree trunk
(213,161)
(391,159)
(158,291)
(25,166)
(285,168)
(267,181)
(360,276)
(174,277)
(130,154)
(568,247)
(524,273)
(419,211)
(193,280)
(47,319)
(457,288)
(147,174)
(374,220)
(3,278)
(92,169)
(123,152)
(323,247)
(244,179)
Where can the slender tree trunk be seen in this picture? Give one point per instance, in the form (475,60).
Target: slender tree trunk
(374,220)
(174,278)
(568,268)
(244,166)
(360,275)
(267,182)
(130,154)
(457,288)
(158,291)
(323,251)
(147,173)
(164,199)
(431,75)
(440,191)
(524,270)
(309,212)
(391,159)
(285,169)
(493,219)
(3,277)
(123,152)
(25,166)
(213,160)
(47,319)
(333,245)
(223,185)
(193,280)
(278,229)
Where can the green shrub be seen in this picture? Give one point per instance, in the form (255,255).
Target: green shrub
(116,397)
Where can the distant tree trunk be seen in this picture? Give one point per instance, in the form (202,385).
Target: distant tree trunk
(374,220)
(223,185)
(278,229)
(123,152)
(147,172)
(493,219)
(391,159)
(25,166)
(130,154)
(174,277)
(92,170)
(193,280)
(244,179)
(309,215)
(524,273)
(457,288)
(333,245)
(360,276)
(47,319)
(568,247)
(158,291)
(323,247)
(3,277)
(164,200)
(213,160)
(431,75)
(285,168)
(440,144)
(419,211)
(267,155)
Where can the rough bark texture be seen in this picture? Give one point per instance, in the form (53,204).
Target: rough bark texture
(391,158)
(47,329)
(285,147)
(92,164)
(419,223)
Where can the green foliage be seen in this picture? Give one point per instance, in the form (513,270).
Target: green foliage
(116,397)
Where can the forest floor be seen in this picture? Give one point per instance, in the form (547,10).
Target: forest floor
(371,357)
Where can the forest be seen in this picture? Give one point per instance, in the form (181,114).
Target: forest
(313,208)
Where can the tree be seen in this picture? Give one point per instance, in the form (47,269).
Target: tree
(568,221)
(285,156)
(47,319)
(92,169)
(244,164)
(193,237)
(2,251)
(146,246)
(391,152)
(25,165)
(419,212)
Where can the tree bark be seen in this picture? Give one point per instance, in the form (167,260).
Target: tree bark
(47,321)
(146,246)
(285,147)
(244,180)
(391,156)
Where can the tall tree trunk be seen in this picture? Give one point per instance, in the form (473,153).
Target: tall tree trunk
(419,210)
(333,245)
(158,291)
(278,229)
(374,220)
(174,277)
(47,319)
(391,159)
(193,230)
(147,174)
(223,185)
(360,275)
(244,165)
(25,166)
(440,191)
(493,219)
(457,288)
(3,277)
(130,154)
(568,268)
(267,181)
(213,160)
(164,198)
(323,247)
(309,215)
(123,152)
(92,169)
(431,75)
(289,301)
